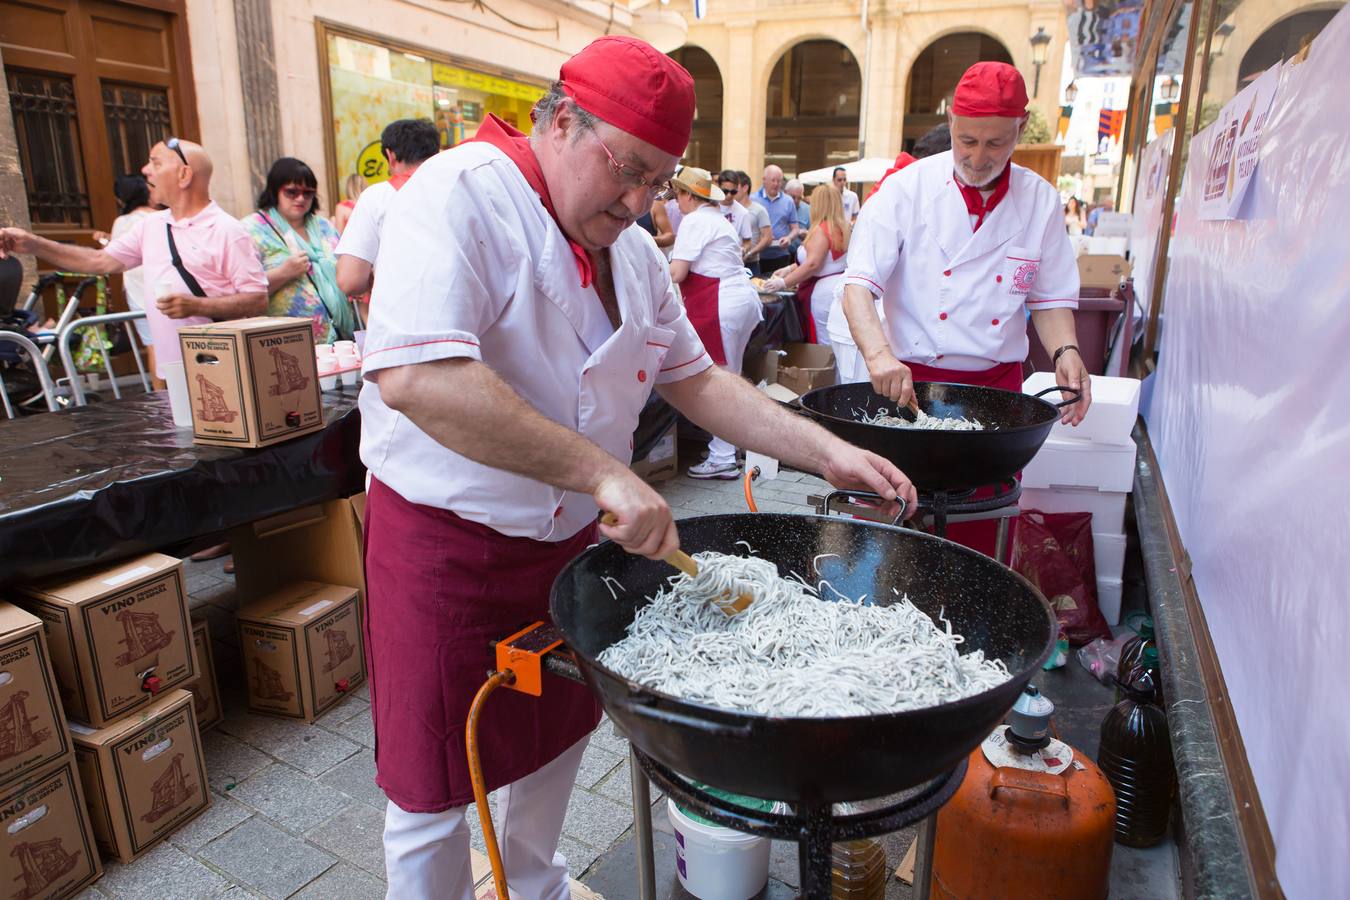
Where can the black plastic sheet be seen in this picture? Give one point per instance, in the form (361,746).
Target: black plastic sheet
(110,480)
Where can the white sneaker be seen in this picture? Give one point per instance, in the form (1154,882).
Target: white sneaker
(708,469)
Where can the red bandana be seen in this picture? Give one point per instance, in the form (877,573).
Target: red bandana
(901,161)
(516,145)
(399,180)
(976,205)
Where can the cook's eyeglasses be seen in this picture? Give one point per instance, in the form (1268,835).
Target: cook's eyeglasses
(632,177)
(177,147)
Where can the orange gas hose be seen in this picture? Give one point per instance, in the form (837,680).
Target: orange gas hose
(496,680)
(750,476)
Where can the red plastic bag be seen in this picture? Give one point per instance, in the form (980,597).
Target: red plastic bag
(1054,552)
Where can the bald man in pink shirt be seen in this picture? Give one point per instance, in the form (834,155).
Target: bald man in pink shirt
(218,275)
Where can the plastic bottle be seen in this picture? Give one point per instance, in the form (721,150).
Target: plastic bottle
(1135,755)
(858,870)
(1147,662)
(1133,651)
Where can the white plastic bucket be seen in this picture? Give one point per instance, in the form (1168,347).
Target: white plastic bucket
(179,400)
(716,863)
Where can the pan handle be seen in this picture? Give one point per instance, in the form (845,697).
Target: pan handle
(1064,390)
(640,708)
(871,497)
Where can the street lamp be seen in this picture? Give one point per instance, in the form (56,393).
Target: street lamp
(1071,93)
(1040,49)
(1171,89)
(1222,33)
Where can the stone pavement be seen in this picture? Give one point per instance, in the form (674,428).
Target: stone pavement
(295,811)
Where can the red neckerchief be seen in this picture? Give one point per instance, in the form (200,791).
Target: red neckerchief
(516,146)
(399,180)
(976,205)
(901,161)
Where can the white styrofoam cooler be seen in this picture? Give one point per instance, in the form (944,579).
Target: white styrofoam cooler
(1108,555)
(1107,507)
(1108,598)
(1060,463)
(1110,418)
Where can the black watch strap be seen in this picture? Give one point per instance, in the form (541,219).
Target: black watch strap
(1060,352)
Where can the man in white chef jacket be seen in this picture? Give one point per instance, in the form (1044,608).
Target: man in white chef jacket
(961,247)
(518,326)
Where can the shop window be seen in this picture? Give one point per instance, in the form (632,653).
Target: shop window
(137,118)
(48,135)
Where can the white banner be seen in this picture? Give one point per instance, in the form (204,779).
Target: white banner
(1150,190)
(1232,147)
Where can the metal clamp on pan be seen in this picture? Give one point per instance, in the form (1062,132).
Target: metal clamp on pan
(866,508)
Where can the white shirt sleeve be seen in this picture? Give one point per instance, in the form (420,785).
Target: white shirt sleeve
(1057,283)
(361,237)
(448,267)
(689,240)
(874,248)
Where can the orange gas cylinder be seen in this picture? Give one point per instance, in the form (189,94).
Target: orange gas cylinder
(1033,819)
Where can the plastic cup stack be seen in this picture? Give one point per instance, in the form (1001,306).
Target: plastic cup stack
(349,358)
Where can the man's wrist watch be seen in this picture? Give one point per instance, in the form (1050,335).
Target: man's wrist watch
(1060,352)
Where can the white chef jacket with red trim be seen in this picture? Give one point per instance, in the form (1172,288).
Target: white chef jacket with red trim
(472,265)
(955,297)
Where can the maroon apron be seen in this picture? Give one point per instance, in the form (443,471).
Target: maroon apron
(700,295)
(804,292)
(439,588)
(981,536)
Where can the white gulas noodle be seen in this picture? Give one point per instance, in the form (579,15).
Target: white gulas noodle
(923,422)
(791,653)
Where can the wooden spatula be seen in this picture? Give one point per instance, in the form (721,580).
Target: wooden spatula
(686,564)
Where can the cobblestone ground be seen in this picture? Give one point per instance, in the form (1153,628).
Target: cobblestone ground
(295,811)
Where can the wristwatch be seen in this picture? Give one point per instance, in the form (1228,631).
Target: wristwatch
(1054,361)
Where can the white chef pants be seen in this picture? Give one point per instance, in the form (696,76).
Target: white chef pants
(426,855)
(739,310)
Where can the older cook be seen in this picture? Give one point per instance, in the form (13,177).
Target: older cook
(960,247)
(519,324)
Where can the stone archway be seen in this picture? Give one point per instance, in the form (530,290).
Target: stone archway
(934,75)
(705,140)
(811,113)
(1280,41)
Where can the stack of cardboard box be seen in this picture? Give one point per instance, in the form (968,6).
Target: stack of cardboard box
(46,839)
(121,649)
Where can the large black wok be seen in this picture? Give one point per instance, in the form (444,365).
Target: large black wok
(800,759)
(1016,425)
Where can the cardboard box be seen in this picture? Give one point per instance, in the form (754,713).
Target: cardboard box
(205,690)
(805,367)
(1099,270)
(32,725)
(662,462)
(144,776)
(116,636)
(302,649)
(314,543)
(46,842)
(253,382)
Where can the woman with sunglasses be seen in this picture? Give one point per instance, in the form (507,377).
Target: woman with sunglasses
(295,245)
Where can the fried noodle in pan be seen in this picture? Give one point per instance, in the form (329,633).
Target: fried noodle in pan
(922,422)
(791,653)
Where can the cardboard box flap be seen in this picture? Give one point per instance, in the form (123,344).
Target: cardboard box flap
(254,324)
(806,356)
(298,603)
(97,737)
(13,620)
(83,589)
(780,393)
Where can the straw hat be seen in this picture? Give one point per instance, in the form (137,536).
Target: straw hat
(698,182)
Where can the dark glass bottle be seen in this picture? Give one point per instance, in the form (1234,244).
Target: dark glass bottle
(1135,755)
(1148,662)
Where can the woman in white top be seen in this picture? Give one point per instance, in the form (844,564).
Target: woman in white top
(133,196)
(722,305)
(821,260)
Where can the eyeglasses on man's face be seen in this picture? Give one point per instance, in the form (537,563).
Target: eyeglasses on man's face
(729,190)
(660,190)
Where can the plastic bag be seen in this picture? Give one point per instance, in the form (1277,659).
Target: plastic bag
(1101,657)
(1054,552)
